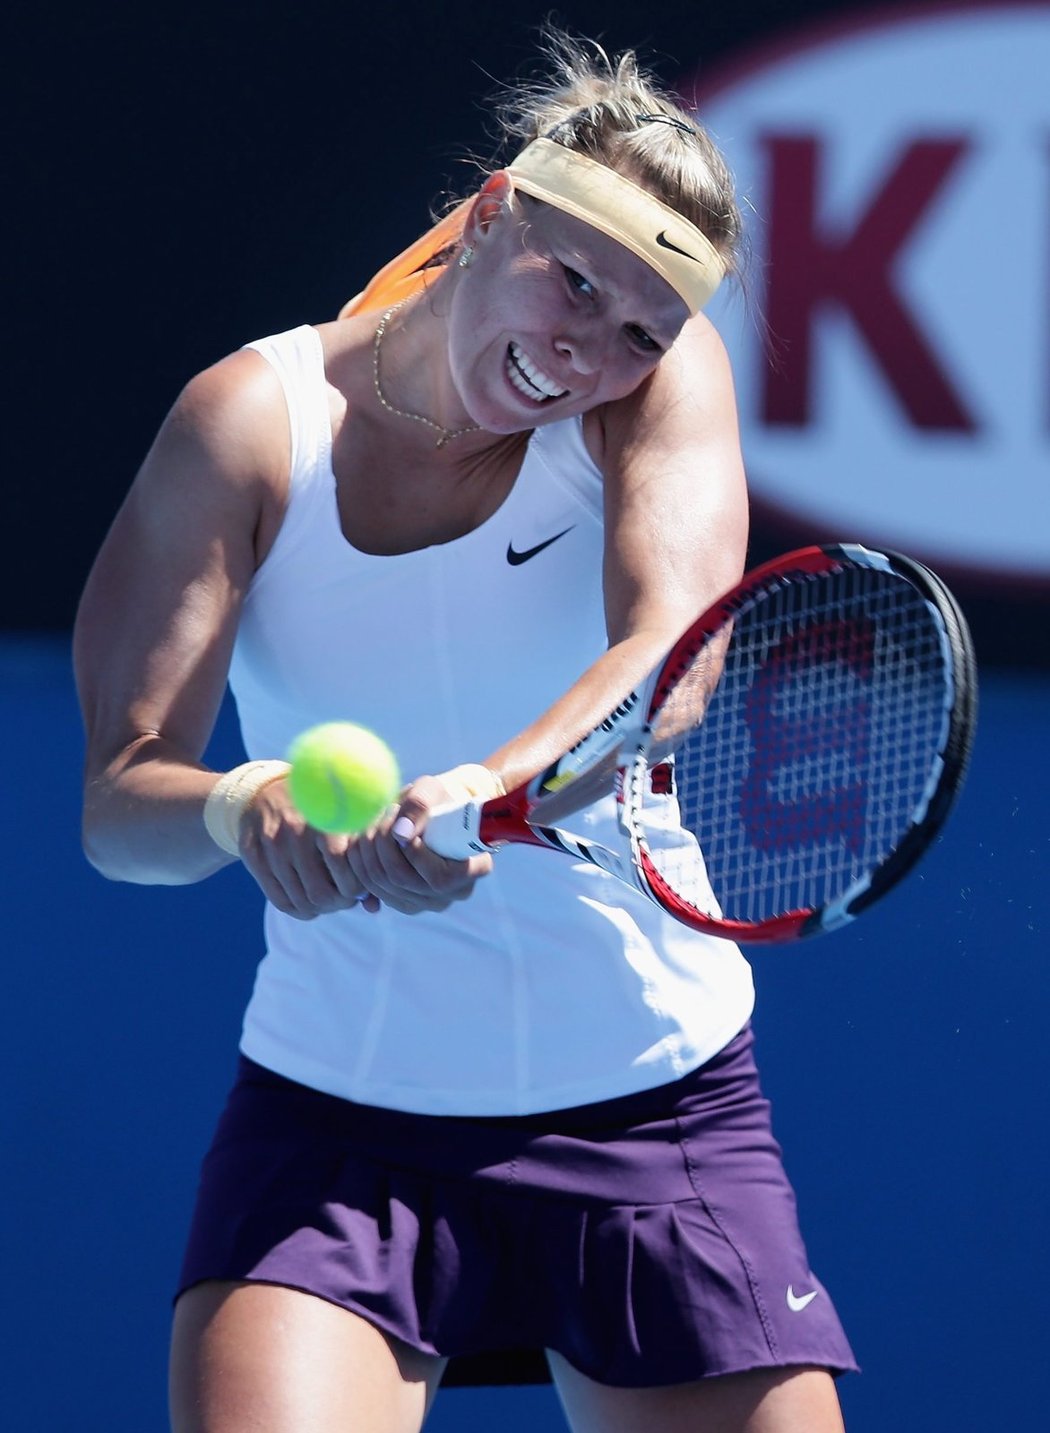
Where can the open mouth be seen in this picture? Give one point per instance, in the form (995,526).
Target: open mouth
(530,380)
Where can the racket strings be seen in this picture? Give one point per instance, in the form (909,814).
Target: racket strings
(802,763)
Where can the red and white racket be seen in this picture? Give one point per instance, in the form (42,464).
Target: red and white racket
(787,762)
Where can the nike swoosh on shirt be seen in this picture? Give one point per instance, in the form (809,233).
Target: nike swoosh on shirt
(517,558)
(665,243)
(797,1302)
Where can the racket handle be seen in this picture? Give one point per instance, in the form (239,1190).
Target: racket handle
(454,831)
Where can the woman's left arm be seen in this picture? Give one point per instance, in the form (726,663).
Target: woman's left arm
(675,538)
(676,526)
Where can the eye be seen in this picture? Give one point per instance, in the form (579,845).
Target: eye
(578,282)
(643,340)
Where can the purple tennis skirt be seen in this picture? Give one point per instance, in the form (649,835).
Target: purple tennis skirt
(650,1239)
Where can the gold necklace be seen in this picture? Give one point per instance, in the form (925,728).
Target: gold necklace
(447,434)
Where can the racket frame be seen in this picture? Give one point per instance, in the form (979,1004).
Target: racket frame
(627,732)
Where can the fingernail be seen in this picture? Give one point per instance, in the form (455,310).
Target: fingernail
(403,829)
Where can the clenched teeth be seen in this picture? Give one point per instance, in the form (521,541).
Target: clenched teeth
(529,379)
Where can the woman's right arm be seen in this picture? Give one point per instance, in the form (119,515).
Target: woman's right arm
(152,648)
(156,624)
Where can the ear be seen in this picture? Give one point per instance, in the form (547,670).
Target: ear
(493,202)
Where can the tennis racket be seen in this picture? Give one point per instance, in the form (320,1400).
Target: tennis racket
(784,766)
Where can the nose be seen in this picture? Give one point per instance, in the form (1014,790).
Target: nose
(581,349)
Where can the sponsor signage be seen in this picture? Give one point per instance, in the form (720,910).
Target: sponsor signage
(893,357)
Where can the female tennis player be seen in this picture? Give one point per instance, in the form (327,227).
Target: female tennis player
(486,1111)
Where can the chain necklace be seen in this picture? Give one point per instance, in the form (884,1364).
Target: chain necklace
(447,434)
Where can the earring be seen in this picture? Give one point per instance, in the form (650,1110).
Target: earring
(467,257)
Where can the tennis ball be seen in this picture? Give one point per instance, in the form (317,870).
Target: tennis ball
(343,776)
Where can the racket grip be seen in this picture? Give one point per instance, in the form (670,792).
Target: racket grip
(454,831)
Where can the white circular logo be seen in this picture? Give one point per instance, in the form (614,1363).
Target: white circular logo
(899,171)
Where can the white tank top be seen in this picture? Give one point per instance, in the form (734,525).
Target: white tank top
(553,984)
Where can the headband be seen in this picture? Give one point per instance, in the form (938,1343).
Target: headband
(677,250)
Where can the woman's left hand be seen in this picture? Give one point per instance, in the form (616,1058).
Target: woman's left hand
(392,862)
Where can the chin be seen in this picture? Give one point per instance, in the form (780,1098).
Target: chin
(496,417)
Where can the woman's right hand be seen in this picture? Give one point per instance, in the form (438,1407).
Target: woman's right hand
(301,871)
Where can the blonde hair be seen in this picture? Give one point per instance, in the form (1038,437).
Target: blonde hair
(613,111)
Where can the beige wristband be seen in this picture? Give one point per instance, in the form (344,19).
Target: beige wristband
(472,782)
(231,796)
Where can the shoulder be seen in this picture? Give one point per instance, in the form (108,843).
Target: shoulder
(226,435)
(233,413)
(687,402)
(673,477)
(219,464)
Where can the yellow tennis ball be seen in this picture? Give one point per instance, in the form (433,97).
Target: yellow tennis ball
(343,776)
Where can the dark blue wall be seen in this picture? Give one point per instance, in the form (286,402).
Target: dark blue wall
(903,1057)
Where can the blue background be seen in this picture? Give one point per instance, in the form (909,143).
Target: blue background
(904,1058)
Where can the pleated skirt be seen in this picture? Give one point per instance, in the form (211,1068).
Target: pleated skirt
(650,1240)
